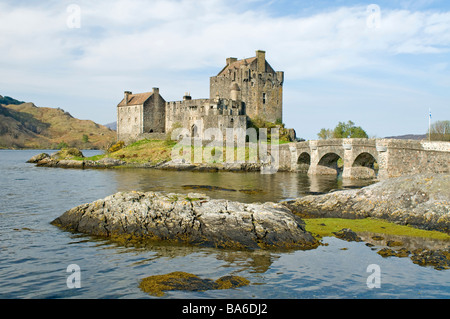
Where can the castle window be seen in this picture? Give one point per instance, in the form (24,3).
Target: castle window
(264,98)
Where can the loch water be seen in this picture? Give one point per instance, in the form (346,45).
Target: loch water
(35,255)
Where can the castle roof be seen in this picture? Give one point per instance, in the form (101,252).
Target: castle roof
(136,99)
(236,65)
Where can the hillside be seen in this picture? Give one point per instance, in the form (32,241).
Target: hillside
(24,125)
(410,137)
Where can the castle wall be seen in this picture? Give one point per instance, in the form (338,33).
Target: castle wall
(129,122)
(200,114)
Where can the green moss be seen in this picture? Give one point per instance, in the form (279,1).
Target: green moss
(68,153)
(193,199)
(324,227)
(156,285)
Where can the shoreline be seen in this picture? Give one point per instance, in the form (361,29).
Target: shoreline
(46,160)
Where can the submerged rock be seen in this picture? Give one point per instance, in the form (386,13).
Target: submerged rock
(192,218)
(178,280)
(439,259)
(348,235)
(421,200)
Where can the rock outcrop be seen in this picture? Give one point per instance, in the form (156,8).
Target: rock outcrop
(422,201)
(157,285)
(72,158)
(192,218)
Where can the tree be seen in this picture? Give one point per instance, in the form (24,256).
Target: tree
(343,130)
(85,138)
(440,131)
(325,134)
(349,130)
(62,145)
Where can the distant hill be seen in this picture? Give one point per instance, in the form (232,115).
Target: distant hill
(24,125)
(9,100)
(410,137)
(112,126)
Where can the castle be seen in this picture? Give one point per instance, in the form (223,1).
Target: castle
(243,89)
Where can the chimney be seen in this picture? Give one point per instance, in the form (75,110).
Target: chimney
(231,60)
(261,61)
(187,96)
(155,91)
(126,97)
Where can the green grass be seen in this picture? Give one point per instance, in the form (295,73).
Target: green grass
(325,227)
(90,158)
(144,151)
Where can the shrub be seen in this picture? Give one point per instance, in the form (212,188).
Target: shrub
(118,146)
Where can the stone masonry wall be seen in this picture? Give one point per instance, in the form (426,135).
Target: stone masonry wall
(129,122)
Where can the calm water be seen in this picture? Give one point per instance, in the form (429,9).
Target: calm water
(35,255)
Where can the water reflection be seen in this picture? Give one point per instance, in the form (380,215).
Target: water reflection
(238,186)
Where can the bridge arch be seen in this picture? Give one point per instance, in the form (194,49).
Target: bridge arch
(365,165)
(304,162)
(330,163)
(364,159)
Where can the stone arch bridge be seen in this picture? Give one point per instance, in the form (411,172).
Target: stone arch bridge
(365,158)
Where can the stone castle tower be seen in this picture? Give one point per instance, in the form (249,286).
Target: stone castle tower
(248,88)
(254,82)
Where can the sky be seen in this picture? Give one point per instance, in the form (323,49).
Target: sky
(381,64)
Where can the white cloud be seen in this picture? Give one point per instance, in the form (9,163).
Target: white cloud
(138,44)
(186,34)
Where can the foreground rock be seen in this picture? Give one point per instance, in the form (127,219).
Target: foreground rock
(421,201)
(192,218)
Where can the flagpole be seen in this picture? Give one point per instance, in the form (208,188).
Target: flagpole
(429,126)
